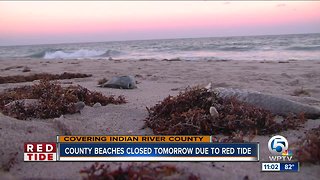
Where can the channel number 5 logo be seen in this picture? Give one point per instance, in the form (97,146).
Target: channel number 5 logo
(277,145)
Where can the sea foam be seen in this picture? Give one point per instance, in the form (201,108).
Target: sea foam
(82,53)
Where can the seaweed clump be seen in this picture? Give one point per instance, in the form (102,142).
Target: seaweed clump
(301,91)
(49,100)
(135,172)
(32,77)
(308,149)
(189,114)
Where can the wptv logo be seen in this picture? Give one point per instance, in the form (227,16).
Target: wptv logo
(278,147)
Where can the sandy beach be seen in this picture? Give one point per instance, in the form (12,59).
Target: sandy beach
(156,80)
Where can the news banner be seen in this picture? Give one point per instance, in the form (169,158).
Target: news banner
(146,148)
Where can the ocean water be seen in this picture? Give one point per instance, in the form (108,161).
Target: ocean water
(272,47)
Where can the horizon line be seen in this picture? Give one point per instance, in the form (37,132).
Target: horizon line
(129,40)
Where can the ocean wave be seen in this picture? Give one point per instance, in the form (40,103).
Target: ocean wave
(111,53)
(235,48)
(211,48)
(304,48)
(43,53)
(194,48)
(76,54)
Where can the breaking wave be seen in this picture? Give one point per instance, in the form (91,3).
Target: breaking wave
(43,53)
(76,54)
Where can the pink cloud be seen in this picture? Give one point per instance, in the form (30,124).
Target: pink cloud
(231,17)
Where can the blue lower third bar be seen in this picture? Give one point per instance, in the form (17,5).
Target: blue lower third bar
(158,152)
(289,167)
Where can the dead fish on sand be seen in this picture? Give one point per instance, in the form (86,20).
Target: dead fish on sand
(121,82)
(276,105)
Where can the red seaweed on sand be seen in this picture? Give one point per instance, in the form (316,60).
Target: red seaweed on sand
(189,114)
(32,77)
(49,100)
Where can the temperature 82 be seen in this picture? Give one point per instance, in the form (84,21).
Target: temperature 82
(288,166)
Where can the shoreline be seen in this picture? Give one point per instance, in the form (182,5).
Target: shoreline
(206,59)
(156,80)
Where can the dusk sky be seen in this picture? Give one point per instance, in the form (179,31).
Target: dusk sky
(63,22)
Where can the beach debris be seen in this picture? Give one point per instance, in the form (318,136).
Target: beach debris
(208,87)
(283,61)
(138,76)
(150,59)
(96,105)
(62,127)
(189,114)
(274,104)
(174,89)
(26,69)
(308,149)
(52,99)
(213,112)
(39,76)
(121,82)
(150,171)
(79,106)
(11,67)
(173,59)
(300,92)
(102,81)
(24,102)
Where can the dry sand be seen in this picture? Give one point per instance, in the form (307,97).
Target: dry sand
(157,79)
